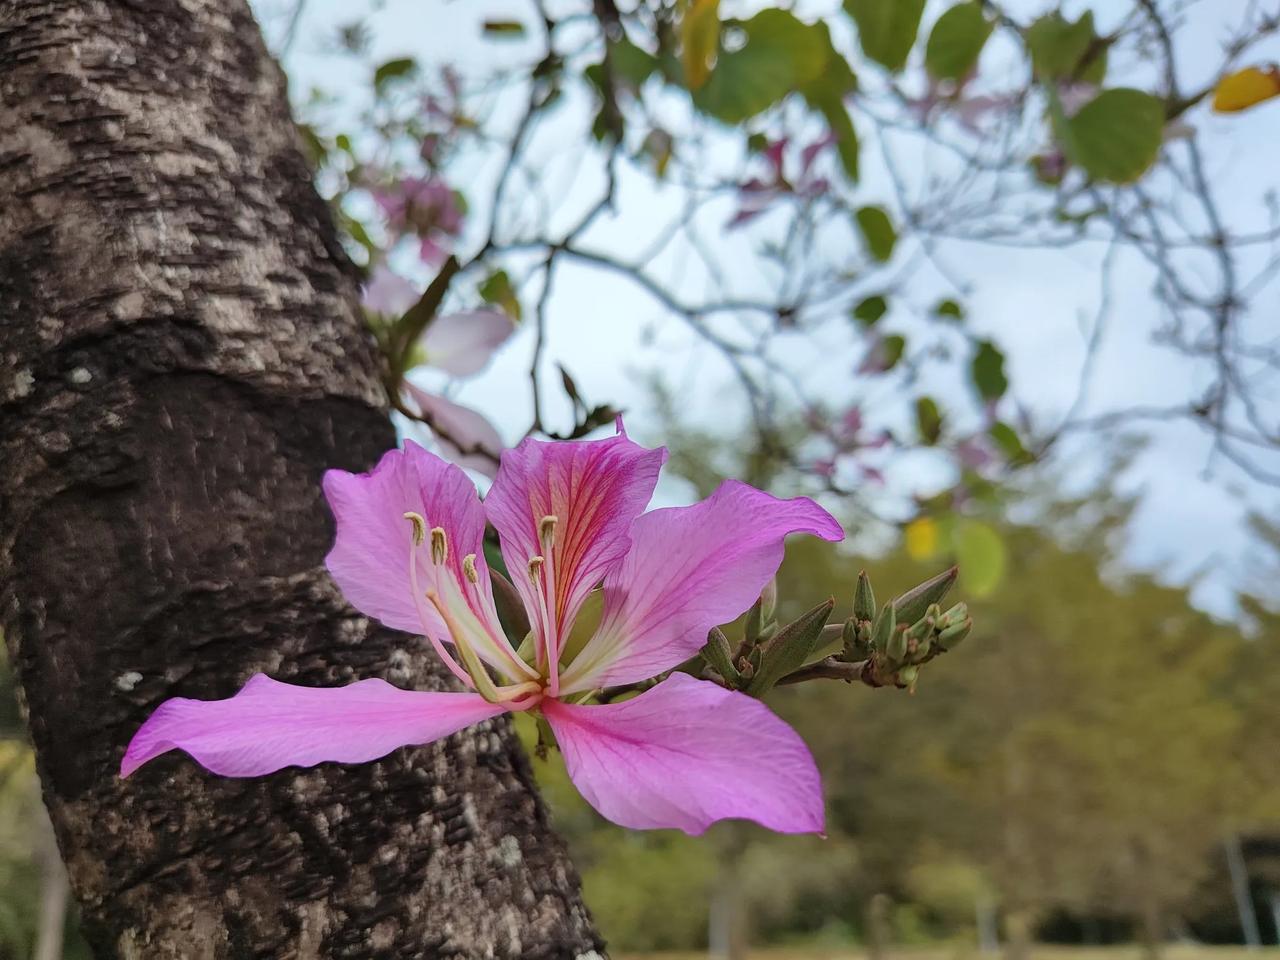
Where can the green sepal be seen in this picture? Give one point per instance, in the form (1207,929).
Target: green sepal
(789,649)
(882,629)
(511,612)
(911,606)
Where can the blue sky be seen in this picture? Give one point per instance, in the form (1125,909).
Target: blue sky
(1037,303)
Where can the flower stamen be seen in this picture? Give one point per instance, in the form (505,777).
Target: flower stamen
(547,533)
(419,527)
(480,678)
(469,568)
(439,546)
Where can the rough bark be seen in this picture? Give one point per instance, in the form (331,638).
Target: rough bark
(180,359)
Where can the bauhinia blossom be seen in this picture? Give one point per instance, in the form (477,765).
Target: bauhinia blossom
(570,517)
(460,344)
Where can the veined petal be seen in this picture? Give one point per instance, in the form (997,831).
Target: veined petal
(594,490)
(269,725)
(370,555)
(462,343)
(688,570)
(471,442)
(686,754)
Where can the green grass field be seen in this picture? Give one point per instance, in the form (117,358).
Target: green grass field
(1172,952)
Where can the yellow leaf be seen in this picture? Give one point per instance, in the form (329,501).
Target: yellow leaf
(699,40)
(1246,88)
(921,537)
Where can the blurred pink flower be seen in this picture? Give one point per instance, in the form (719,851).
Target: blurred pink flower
(570,515)
(425,207)
(465,436)
(388,293)
(461,344)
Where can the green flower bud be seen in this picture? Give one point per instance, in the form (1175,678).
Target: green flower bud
(950,638)
(956,614)
(908,676)
(769,601)
(717,653)
(864,599)
(896,649)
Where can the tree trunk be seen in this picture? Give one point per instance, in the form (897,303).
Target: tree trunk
(181,357)
(1241,892)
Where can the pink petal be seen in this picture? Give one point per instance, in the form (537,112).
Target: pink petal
(462,343)
(389,293)
(269,725)
(686,754)
(370,555)
(430,252)
(464,435)
(594,489)
(688,570)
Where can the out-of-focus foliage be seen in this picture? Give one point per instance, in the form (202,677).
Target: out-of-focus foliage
(835,152)
(26,841)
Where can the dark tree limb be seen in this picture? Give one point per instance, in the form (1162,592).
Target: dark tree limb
(180,359)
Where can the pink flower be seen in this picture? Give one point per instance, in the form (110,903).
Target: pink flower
(465,436)
(570,517)
(461,344)
(388,293)
(424,206)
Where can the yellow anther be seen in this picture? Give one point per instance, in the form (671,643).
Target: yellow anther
(439,545)
(547,532)
(535,568)
(419,527)
(469,568)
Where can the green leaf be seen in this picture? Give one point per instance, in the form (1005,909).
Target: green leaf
(631,64)
(892,347)
(1010,444)
(1063,50)
(877,230)
(826,93)
(948,309)
(504,29)
(928,420)
(841,125)
(392,71)
(981,555)
(497,290)
(868,311)
(1116,136)
(886,28)
(956,41)
(699,40)
(780,55)
(988,371)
